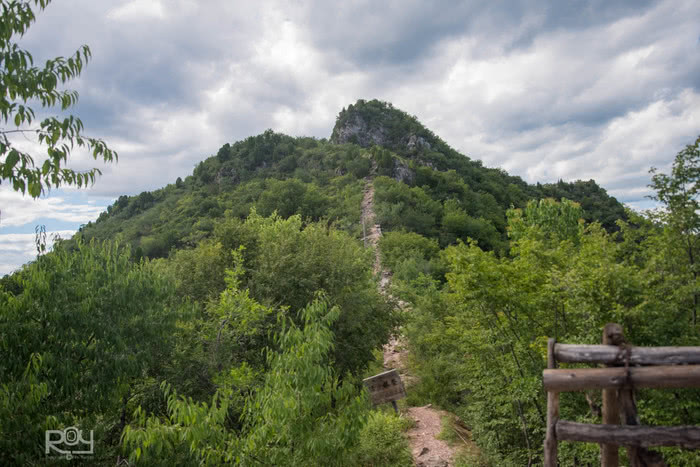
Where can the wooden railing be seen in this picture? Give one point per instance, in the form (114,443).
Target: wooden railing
(666,367)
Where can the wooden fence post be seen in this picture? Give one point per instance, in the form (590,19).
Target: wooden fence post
(638,456)
(628,367)
(609,453)
(550,442)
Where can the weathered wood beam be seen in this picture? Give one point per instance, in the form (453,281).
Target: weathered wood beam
(609,453)
(614,355)
(581,379)
(629,435)
(550,442)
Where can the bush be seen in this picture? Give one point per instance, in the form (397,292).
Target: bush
(382,442)
(85,327)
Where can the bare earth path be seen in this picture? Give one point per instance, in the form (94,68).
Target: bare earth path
(427,450)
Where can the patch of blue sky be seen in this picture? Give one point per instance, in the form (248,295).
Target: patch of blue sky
(49,223)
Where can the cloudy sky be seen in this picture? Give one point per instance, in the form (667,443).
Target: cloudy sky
(546,90)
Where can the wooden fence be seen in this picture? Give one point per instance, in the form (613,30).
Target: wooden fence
(628,367)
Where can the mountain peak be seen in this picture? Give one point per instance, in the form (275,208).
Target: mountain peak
(368,123)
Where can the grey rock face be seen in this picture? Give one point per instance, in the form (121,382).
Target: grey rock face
(417,142)
(402,173)
(357,131)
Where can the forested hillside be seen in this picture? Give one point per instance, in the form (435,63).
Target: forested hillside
(424,187)
(229,318)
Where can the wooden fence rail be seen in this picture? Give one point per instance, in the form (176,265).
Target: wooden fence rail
(614,355)
(666,367)
(659,377)
(629,435)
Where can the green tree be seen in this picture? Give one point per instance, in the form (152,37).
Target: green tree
(679,194)
(457,224)
(480,342)
(398,206)
(301,415)
(86,325)
(397,246)
(551,220)
(200,271)
(289,263)
(22,83)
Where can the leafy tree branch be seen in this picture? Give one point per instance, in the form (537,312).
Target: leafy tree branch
(21,84)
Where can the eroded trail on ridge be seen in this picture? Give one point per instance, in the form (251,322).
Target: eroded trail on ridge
(427,450)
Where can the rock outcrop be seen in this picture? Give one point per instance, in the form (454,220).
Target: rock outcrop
(358,131)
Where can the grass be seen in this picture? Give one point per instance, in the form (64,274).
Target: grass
(458,436)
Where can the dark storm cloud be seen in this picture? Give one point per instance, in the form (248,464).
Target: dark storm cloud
(398,32)
(143,59)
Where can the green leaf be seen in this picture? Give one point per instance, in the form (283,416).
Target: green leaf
(18,185)
(24,83)
(34,189)
(12,159)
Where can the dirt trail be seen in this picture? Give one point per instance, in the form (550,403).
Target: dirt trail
(372,232)
(427,450)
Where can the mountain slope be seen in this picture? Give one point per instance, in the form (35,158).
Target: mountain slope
(424,186)
(251,310)
(375,123)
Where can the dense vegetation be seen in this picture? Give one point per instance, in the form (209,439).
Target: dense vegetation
(424,186)
(478,333)
(93,334)
(229,317)
(271,172)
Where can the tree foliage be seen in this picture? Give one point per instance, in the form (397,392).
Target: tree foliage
(428,188)
(301,414)
(21,84)
(678,192)
(245,341)
(479,343)
(287,264)
(85,326)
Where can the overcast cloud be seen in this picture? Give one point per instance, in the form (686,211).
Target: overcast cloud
(546,90)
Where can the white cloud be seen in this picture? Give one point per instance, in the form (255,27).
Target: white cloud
(137,10)
(545,91)
(18,210)
(531,90)
(17,249)
(603,102)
